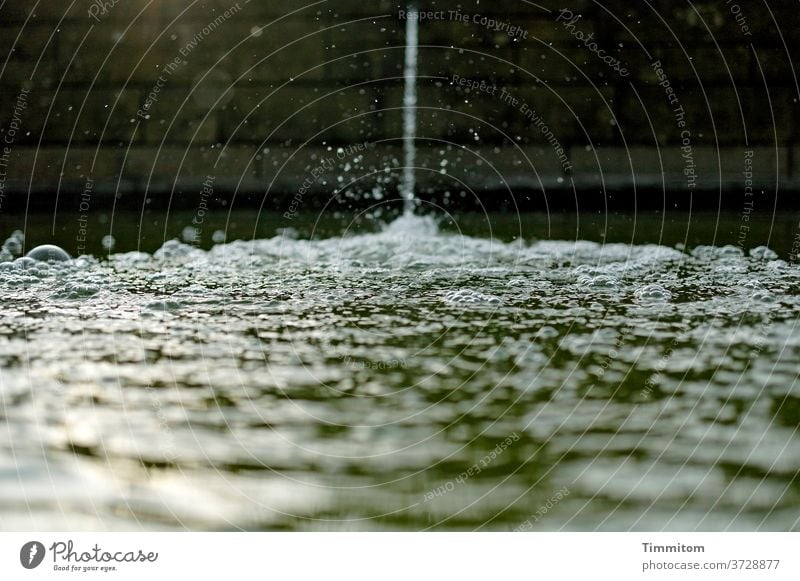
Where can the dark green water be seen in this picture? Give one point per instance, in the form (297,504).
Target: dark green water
(410,378)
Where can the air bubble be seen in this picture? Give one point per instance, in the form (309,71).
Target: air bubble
(24,263)
(48,253)
(467,296)
(763,253)
(653,292)
(601,281)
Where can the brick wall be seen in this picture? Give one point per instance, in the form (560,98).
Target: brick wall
(144,99)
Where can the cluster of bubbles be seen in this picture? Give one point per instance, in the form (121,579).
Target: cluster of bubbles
(470,297)
(617,366)
(11,253)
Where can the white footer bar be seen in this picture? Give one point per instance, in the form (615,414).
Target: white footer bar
(400,556)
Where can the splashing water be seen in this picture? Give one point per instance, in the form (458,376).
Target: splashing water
(350,383)
(408,184)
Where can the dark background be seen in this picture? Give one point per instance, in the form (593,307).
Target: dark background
(265,96)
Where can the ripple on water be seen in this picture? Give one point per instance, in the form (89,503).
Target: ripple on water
(273,382)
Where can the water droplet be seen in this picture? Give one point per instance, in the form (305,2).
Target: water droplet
(13,246)
(190,235)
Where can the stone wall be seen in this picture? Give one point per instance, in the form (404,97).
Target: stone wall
(140,102)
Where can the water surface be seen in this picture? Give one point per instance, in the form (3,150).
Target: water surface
(408,378)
